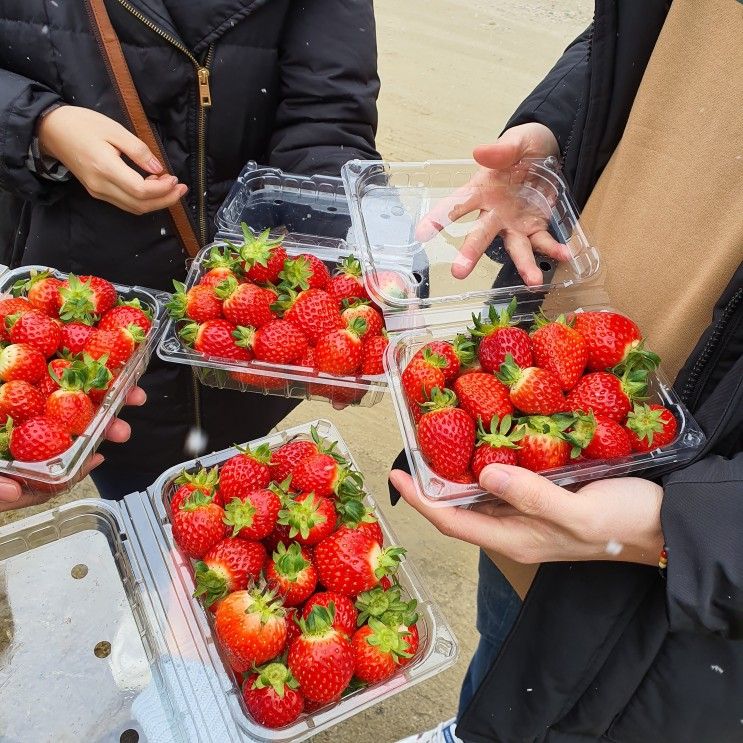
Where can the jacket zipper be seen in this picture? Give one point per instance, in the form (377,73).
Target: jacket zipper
(205,101)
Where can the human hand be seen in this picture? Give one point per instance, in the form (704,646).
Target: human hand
(537,521)
(91,146)
(523,227)
(13,496)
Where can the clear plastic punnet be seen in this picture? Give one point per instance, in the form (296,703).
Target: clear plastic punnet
(60,473)
(98,620)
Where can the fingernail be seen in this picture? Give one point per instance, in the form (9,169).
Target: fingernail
(155,165)
(9,492)
(461,262)
(494,479)
(172,180)
(395,479)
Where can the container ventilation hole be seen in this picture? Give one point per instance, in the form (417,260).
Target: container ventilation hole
(545,266)
(129,736)
(332,209)
(79,571)
(102,649)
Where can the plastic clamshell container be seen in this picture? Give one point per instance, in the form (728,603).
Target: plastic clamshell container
(126,649)
(60,473)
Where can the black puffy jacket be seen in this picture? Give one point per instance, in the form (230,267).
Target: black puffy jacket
(293,85)
(607,651)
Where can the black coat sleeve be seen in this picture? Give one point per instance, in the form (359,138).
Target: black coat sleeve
(327,114)
(22,101)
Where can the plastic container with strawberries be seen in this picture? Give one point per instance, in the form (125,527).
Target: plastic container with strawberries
(130,654)
(72,349)
(506,390)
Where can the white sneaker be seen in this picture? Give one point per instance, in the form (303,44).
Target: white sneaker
(442,733)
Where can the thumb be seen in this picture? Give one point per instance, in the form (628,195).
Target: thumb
(10,490)
(505,152)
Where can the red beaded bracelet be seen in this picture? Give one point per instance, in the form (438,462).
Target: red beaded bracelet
(663,561)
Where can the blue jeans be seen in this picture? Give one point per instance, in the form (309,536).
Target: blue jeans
(498,605)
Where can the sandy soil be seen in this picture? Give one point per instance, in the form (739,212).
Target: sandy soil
(452,72)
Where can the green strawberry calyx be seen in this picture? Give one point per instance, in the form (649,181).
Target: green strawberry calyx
(203,479)
(434,359)
(350,266)
(319,622)
(388,640)
(225,289)
(348,483)
(84,374)
(540,320)
(389,561)
(5,430)
(353,511)
(581,432)
(257,249)
(635,384)
(498,319)
(297,273)
(276,676)
(211,585)
(645,422)
(22,287)
(283,490)
(510,372)
(244,336)
(440,399)
(500,435)
(261,454)
(197,499)
(189,332)
(464,349)
(178,301)
(301,516)
(637,359)
(239,514)
(220,258)
(289,561)
(77,301)
(137,305)
(326,447)
(553,426)
(135,332)
(387,605)
(264,601)
(357,326)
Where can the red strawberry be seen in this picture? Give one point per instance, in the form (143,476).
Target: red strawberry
(321,658)
(377,651)
(314,312)
(20,361)
(279,341)
(345,614)
(391,285)
(20,401)
(118,346)
(74,337)
(346,283)
(483,396)
(499,338)
(227,567)
(446,434)
(126,314)
(412,640)
(198,524)
(606,394)
(560,348)
(203,479)
(86,298)
(38,439)
(498,446)
(292,628)
(199,303)
(651,427)
(308,519)
(272,696)
(420,377)
(291,572)
(349,561)
(532,390)
(372,318)
(543,443)
(599,437)
(457,354)
(308,360)
(12,306)
(216,276)
(49,383)
(98,395)
(354,514)
(387,606)
(251,624)
(286,457)
(220,266)
(246,304)
(305,271)
(42,292)
(372,355)
(263,258)
(217,338)
(339,352)
(246,471)
(326,475)
(252,515)
(35,329)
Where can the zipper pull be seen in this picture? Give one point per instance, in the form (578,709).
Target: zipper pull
(205,93)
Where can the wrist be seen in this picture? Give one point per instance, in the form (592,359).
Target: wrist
(47,118)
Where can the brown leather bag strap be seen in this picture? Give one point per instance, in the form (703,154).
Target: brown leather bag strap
(122,81)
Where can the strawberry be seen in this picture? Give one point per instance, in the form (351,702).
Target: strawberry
(349,561)
(227,567)
(377,651)
(50,383)
(118,346)
(251,624)
(20,401)
(246,304)
(387,606)
(198,524)
(291,572)
(339,352)
(220,265)
(286,457)
(215,338)
(12,306)
(559,348)
(532,390)
(609,337)
(599,437)
(308,519)
(372,318)
(20,361)
(500,338)
(446,434)
(651,427)
(372,355)
(126,314)
(216,276)
(321,658)
(543,443)
(292,628)
(305,271)
(74,337)
(252,515)
(314,312)
(35,329)
(354,514)
(272,696)
(279,341)
(86,298)
(496,446)
(38,439)
(308,360)
(346,282)
(457,354)
(391,284)
(248,470)
(199,303)
(98,395)
(420,377)
(607,394)
(263,257)
(203,479)
(483,396)
(345,614)
(412,641)
(42,291)
(327,475)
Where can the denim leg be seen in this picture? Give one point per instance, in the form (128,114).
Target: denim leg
(498,605)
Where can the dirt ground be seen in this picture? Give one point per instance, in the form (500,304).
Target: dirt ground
(452,71)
